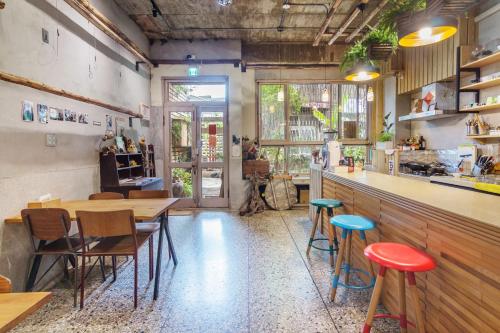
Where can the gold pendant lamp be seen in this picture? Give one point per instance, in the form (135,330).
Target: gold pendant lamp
(362,72)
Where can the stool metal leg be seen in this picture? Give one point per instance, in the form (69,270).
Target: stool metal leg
(377,290)
(331,235)
(403,323)
(338,265)
(416,303)
(362,235)
(313,231)
(348,257)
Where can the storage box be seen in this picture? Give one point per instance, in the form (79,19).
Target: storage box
(250,167)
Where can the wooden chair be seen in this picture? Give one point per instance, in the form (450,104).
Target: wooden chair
(152,194)
(117,237)
(106,196)
(5,285)
(48,228)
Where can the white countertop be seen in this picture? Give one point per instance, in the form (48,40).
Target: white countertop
(473,205)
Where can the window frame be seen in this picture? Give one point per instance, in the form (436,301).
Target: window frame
(287,142)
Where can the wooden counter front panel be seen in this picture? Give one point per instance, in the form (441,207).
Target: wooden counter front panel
(463,293)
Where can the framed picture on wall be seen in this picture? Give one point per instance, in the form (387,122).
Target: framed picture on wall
(43,113)
(27,111)
(145,111)
(109,122)
(56,114)
(83,118)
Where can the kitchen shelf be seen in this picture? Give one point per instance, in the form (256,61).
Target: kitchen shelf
(482,85)
(481,108)
(484,61)
(483,138)
(427,115)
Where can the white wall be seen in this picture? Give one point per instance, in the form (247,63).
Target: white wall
(82,60)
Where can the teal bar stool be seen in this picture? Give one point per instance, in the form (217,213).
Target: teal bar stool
(348,224)
(329,204)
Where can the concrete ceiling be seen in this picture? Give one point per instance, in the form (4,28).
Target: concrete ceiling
(252,21)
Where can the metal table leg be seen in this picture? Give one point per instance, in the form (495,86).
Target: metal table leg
(169,239)
(158,257)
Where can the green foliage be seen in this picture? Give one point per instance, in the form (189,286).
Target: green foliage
(357,152)
(397,7)
(386,134)
(385,137)
(382,35)
(358,53)
(186,178)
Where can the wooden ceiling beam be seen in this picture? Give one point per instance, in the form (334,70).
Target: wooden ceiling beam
(366,21)
(326,22)
(108,27)
(346,23)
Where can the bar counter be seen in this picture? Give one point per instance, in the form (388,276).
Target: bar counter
(459,228)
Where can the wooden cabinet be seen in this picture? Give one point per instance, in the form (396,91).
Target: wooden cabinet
(463,293)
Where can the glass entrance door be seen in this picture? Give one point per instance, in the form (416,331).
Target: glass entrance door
(196,169)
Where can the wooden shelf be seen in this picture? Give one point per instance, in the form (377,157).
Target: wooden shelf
(482,85)
(481,108)
(483,138)
(129,167)
(484,61)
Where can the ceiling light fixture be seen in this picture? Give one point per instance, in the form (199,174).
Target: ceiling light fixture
(286,5)
(156,10)
(281,93)
(362,72)
(370,96)
(325,96)
(424,29)
(224,2)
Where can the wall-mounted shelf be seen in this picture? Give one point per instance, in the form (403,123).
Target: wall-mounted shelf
(483,138)
(482,108)
(482,85)
(485,61)
(427,115)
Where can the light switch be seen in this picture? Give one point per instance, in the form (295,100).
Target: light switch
(50,140)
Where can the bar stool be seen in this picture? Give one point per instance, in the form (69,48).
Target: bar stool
(405,259)
(329,204)
(350,223)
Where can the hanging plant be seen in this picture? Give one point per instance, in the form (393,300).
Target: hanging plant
(358,53)
(396,8)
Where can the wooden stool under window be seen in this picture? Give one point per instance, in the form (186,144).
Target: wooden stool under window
(329,204)
(405,259)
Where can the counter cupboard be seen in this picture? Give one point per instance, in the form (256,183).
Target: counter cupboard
(463,293)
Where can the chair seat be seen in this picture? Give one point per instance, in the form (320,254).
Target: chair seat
(400,256)
(121,245)
(352,222)
(60,245)
(326,203)
(147,227)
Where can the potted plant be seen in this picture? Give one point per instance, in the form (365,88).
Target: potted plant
(358,53)
(381,42)
(385,139)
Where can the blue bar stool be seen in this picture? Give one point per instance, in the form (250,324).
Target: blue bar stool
(329,204)
(348,224)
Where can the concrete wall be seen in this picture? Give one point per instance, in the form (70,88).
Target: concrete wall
(455,127)
(82,60)
(396,105)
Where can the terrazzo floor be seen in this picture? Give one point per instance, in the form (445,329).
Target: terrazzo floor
(234,275)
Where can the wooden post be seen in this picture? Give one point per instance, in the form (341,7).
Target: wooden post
(403,324)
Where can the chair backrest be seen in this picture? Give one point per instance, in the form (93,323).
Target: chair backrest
(151,194)
(5,285)
(106,224)
(106,196)
(47,223)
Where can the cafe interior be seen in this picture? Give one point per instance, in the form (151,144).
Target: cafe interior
(250,166)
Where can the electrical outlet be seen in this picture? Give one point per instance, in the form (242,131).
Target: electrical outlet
(45,36)
(50,140)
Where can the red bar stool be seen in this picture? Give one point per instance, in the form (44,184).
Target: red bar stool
(405,259)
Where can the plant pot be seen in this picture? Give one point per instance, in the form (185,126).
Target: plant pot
(384,145)
(379,51)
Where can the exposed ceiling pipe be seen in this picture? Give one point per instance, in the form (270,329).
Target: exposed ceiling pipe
(348,22)
(366,21)
(326,22)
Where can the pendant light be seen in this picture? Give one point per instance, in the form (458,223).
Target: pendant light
(362,72)
(325,96)
(369,94)
(425,26)
(281,93)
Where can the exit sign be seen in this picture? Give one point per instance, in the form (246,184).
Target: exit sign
(193,71)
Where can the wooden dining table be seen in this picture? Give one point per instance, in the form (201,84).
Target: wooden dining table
(144,210)
(15,307)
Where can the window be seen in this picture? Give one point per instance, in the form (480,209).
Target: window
(196,92)
(293,117)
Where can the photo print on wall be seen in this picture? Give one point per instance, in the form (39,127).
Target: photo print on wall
(56,114)
(43,113)
(69,115)
(109,122)
(27,111)
(83,118)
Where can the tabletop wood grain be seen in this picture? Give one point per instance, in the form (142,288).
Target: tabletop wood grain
(15,307)
(144,209)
